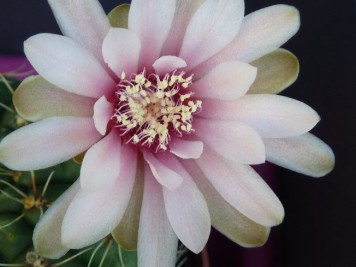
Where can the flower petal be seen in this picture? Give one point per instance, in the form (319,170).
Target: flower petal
(273,116)
(167,64)
(242,188)
(121,50)
(261,32)
(102,163)
(100,210)
(36,99)
(119,16)
(184,11)
(47,142)
(151,21)
(234,225)
(126,233)
(227,81)
(187,210)
(214,18)
(60,60)
(157,243)
(84,21)
(233,140)
(47,233)
(103,110)
(162,173)
(186,149)
(305,154)
(276,71)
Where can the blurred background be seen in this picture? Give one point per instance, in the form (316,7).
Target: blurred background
(320,224)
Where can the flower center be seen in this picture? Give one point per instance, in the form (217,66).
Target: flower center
(150,109)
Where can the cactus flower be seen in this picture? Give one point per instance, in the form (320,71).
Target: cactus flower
(170,111)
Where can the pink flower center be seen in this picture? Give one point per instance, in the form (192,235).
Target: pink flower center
(150,109)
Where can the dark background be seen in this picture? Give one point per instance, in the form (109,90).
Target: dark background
(320,225)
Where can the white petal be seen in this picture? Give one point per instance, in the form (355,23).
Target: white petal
(186,149)
(36,99)
(273,116)
(242,188)
(47,233)
(187,210)
(162,173)
(157,243)
(261,32)
(84,21)
(224,217)
(100,210)
(264,31)
(151,21)
(233,140)
(305,154)
(66,64)
(211,28)
(168,64)
(47,142)
(103,110)
(121,50)
(185,9)
(102,163)
(227,81)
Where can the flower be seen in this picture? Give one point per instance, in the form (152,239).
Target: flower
(171,112)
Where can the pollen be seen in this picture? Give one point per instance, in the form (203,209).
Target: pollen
(150,108)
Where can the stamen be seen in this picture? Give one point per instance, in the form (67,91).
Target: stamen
(152,108)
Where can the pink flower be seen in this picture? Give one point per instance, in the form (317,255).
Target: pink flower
(171,112)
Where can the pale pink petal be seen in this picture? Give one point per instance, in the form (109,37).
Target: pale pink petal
(273,116)
(103,111)
(187,210)
(47,142)
(186,149)
(36,99)
(126,233)
(212,27)
(162,173)
(234,224)
(185,9)
(227,81)
(262,32)
(47,233)
(151,21)
(233,140)
(102,163)
(121,50)
(66,64)
(168,64)
(242,188)
(84,21)
(306,154)
(92,215)
(157,243)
